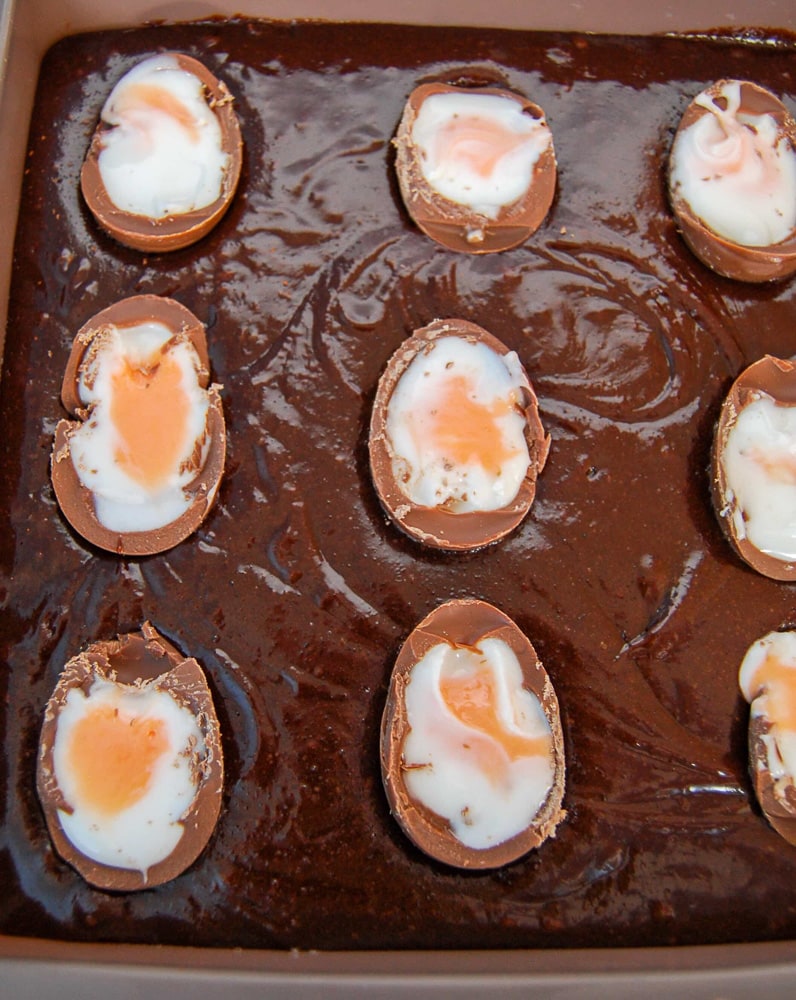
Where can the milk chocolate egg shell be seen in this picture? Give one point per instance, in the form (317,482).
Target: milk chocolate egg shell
(438,526)
(468,624)
(723,255)
(776,796)
(749,513)
(173,231)
(146,665)
(768,682)
(459,226)
(204,469)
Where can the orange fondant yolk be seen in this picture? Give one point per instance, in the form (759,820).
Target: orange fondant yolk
(142,97)
(778,681)
(778,466)
(112,755)
(465,431)
(472,699)
(150,411)
(478,141)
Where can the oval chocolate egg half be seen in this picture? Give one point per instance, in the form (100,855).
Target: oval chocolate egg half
(767,679)
(130,768)
(456,442)
(754,469)
(732,181)
(472,750)
(475,165)
(165,159)
(138,468)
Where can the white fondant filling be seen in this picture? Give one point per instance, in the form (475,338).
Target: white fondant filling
(453,132)
(121,503)
(759,458)
(155,162)
(147,831)
(737,172)
(442,765)
(427,473)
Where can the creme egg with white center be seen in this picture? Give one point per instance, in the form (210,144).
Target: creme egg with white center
(165,159)
(472,746)
(760,466)
(130,767)
(475,165)
(456,442)
(754,467)
(478,149)
(139,469)
(162,154)
(732,181)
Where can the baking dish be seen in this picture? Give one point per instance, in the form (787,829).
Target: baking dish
(41,968)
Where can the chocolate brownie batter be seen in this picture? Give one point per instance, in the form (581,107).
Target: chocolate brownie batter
(296,593)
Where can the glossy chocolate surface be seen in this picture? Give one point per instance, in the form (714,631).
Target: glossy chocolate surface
(775,378)
(75,500)
(466,622)
(730,259)
(451,224)
(173,232)
(296,593)
(145,659)
(436,526)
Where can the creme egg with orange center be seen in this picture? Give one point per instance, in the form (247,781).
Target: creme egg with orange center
(456,442)
(165,158)
(732,181)
(471,742)
(478,149)
(736,170)
(479,747)
(457,429)
(146,423)
(122,760)
(139,469)
(130,766)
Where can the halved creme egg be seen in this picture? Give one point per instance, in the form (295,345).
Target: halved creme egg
(130,767)
(475,165)
(138,469)
(754,467)
(165,159)
(767,678)
(472,749)
(456,442)
(732,181)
